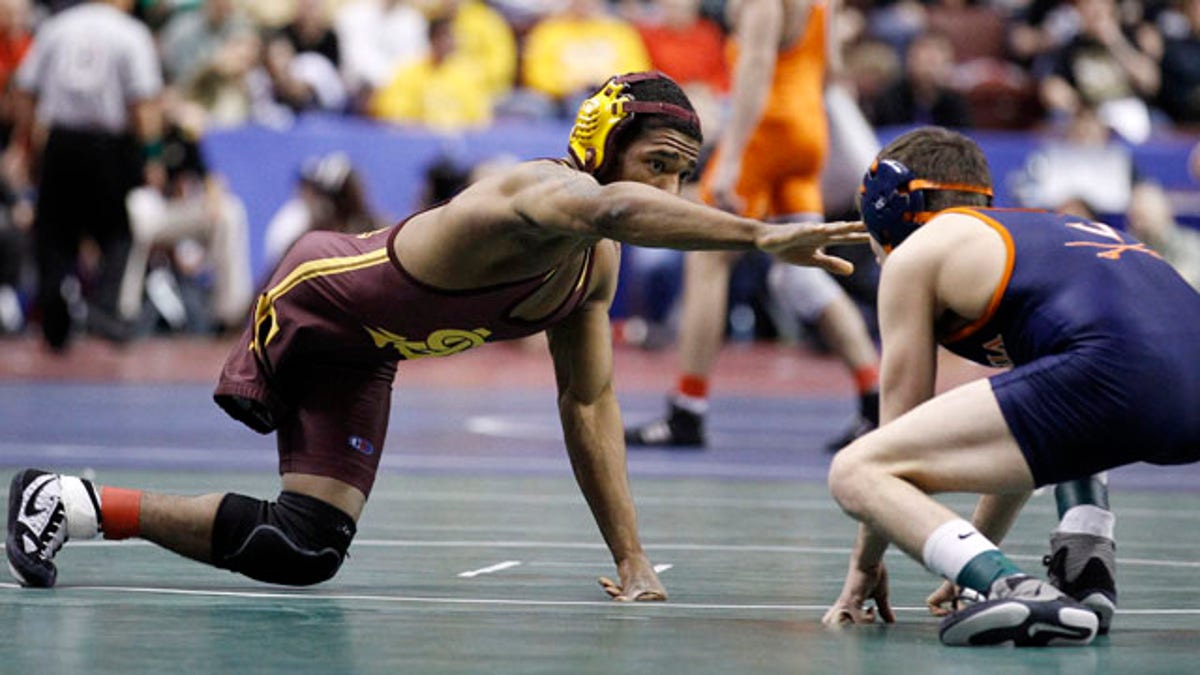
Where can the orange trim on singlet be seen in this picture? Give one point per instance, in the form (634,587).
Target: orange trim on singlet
(1001,287)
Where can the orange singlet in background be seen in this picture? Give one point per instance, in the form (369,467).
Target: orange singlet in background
(781,168)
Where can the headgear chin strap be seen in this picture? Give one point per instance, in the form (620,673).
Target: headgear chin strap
(602,116)
(893,201)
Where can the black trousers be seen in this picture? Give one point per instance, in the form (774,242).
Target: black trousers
(85,176)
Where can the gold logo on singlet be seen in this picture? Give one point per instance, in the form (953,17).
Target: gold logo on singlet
(442,342)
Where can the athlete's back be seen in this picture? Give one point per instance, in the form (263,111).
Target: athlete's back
(1071,281)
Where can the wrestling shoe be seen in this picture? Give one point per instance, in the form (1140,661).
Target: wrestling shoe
(41,519)
(1084,567)
(680,429)
(1023,611)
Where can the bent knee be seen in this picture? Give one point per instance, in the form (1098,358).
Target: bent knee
(296,541)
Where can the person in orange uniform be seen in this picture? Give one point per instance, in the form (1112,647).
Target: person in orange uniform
(767,165)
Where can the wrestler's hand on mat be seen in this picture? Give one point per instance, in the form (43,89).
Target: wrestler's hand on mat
(639,582)
(861,586)
(803,243)
(944,600)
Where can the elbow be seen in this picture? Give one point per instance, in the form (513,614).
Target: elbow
(616,204)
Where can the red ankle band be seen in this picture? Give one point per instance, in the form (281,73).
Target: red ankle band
(693,386)
(866,378)
(120,512)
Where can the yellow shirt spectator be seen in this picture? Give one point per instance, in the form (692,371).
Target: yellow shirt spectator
(580,49)
(444,90)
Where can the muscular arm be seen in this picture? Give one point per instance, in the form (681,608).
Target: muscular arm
(572,202)
(591,423)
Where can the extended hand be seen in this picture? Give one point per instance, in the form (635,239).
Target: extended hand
(861,586)
(944,600)
(639,582)
(803,243)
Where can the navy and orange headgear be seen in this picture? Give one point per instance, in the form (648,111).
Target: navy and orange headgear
(606,114)
(893,201)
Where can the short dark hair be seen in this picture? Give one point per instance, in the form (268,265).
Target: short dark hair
(661,90)
(943,156)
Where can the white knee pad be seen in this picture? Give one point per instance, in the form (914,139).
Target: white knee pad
(805,291)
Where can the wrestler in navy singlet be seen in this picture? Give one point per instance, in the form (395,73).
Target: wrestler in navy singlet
(1104,340)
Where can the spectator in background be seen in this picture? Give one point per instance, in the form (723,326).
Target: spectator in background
(870,68)
(1179,88)
(1084,164)
(567,55)
(221,85)
(193,212)
(1101,67)
(1152,219)
(286,83)
(484,39)
(923,95)
(93,78)
(690,48)
(196,40)
(443,90)
(378,37)
(15,39)
(329,196)
(311,31)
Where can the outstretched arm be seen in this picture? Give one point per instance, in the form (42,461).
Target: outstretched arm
(591,422)
(563,200)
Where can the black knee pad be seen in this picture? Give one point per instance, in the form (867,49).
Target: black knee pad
(297,540)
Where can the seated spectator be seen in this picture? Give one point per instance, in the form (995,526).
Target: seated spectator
(1151,218)
(329,196)
(924,94)
(221,85)
(869,68)
(377,37)
(199,224)
(193,41)
(690,48)
(444,90)
(685,45)
(1085,164)
(310,31)
(1179,89)
(568,55)
(1101,67)
(287,83)
(483,38)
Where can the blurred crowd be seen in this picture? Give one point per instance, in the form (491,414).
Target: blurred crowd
(178,260)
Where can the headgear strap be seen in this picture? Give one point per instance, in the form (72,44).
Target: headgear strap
(605,112)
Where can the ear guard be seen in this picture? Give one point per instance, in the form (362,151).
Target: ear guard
(893,201)
(601,117)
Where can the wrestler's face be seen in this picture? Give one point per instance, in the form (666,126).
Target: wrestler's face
(664,158)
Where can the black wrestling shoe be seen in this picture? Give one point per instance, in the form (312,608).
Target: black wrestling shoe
(681,428)
(1084,567)
(1023,611)
(37,527)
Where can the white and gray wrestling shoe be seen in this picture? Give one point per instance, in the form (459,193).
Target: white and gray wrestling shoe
(1022,611)
(40,522)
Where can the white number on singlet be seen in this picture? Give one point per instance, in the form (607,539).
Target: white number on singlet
(1098,229)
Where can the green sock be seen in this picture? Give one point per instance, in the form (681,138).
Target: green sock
(1091,491)
(984,569)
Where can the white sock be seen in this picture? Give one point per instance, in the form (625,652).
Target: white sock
(948,550)
(1088,519)
(692,404)
(81,501)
